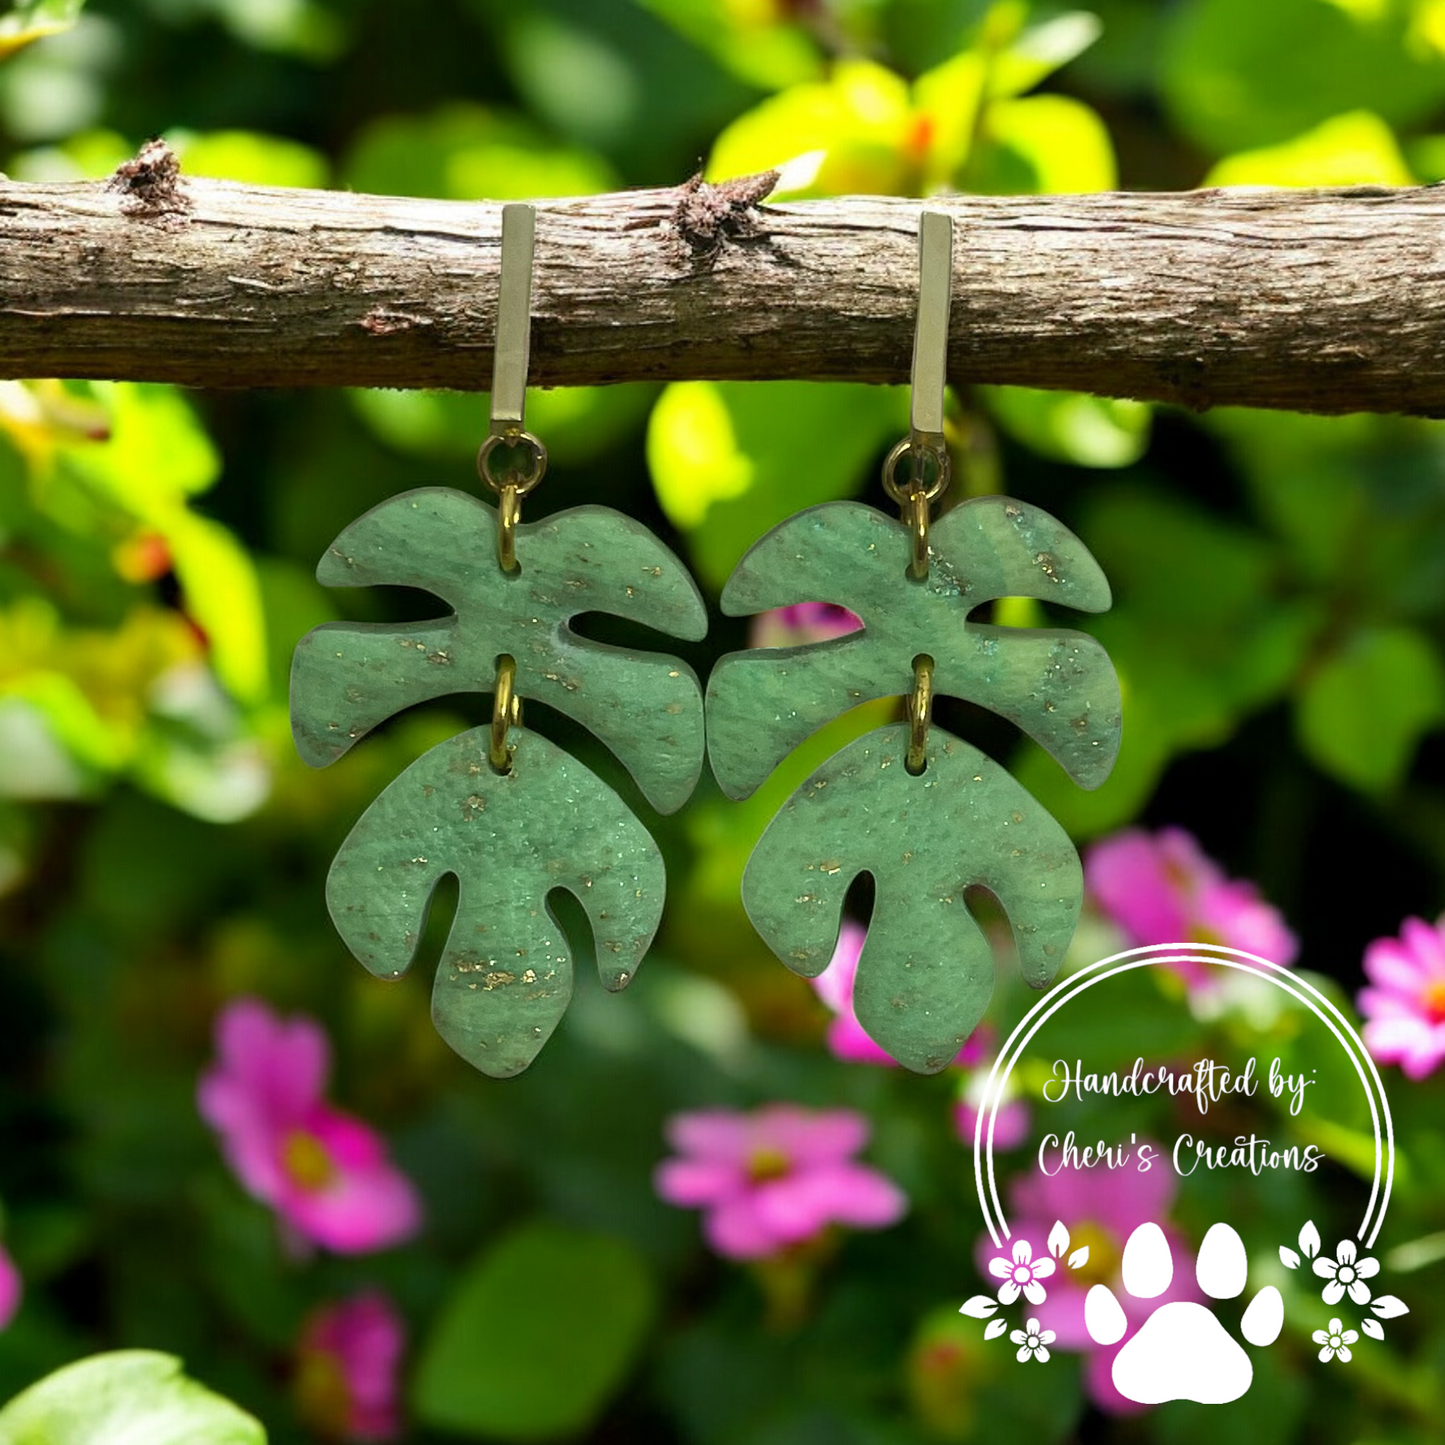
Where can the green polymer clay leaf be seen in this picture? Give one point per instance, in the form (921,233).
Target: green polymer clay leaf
(927,970)
(1058,686)
(123,1396)
(505,975)
(646,706)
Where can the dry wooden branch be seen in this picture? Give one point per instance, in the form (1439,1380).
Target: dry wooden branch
(1325,301)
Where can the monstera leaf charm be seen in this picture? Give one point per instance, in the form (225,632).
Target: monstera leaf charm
(926,972)
(546,822)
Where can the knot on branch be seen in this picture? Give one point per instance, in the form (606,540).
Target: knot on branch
(708,216)
(150,183)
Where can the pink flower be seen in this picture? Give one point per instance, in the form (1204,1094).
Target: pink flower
(1101,1208)
(1010,1123)
(775,1177)
(10,1289)
(347,1362)
(847,1038)
(324,1172)
(1405,1011)
(1160,888)
(802,623)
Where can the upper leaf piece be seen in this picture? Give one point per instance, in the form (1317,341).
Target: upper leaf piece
(646,706)
(1058,686)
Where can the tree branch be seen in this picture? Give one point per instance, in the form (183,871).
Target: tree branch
(1324,301)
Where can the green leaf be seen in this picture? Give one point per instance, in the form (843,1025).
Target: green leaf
(1357,149)
(1089,431)
(577,423)
(29,20)
(1043,144)
(1364,709)
(1237,74)
(754,42)
(860,119)
(1056,685)
(244,155)
(1041,50)
(545,822)
(539,1335)
(729,460)
(464,152)
(126,1395)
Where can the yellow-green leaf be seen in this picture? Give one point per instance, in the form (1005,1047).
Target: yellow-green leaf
(1365,708)
(1090,431)
(861,118)
(1356,149)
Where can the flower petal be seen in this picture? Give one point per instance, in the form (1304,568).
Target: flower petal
(1325,1267)
(1023,1355)
(1343,1353)
(1326,1355)
(1008,1293)
(1320,1337)
(1345,1251)
(1360,1292)
(1001,1267)
(1023,1251)
(695,1183)
(1041,1354)
(1367,1268)
(1332,1294)
(1035,1293)
(1018,1336)
(1043,1268)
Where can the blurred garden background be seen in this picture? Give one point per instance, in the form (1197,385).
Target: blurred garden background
(221,1139)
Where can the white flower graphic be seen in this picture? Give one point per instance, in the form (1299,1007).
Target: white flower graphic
(1346,1274)
(1021,1274)
(1034,1343)
(1335,1342)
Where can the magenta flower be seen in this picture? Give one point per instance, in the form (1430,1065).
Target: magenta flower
(775,1177)
(10,1289)
(1161,888)
(1405,1010)
(347,1363)
(847,1039)
(802,623)
(325,1173)
(1101,1208)
(1010,1123)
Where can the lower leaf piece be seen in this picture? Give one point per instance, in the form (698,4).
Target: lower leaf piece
(926,972)
(505,975)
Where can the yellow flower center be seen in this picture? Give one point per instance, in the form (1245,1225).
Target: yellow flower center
(1432,998)
(1104,1256)
(323,1396)
(306,1161)
(765,1164)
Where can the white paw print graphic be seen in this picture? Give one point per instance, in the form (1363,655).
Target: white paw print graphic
(1182,1352)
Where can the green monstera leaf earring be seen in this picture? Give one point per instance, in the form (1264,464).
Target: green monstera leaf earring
(502,808)
(921,811)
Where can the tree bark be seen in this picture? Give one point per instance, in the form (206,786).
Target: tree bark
(1322,301)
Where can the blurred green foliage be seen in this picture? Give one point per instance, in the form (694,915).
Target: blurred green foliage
(1278,628)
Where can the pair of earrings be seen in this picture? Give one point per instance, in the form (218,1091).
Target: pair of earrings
(513,816)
